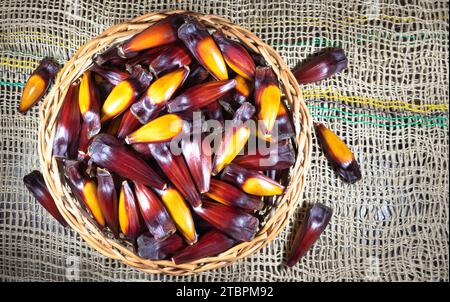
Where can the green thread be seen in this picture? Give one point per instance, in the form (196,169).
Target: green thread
(318,42)
(18,84)
(397,118)
(420,119)
(379,124)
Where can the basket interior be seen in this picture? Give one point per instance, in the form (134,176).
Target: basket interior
(274,218)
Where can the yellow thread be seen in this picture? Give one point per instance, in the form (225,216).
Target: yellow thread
(385,104)
(32,38)
(18,63)
(26,32)
(391,18)
(33,62)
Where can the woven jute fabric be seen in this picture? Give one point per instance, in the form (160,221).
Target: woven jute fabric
(390,105)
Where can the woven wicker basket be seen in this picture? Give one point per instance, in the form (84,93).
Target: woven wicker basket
(80,221)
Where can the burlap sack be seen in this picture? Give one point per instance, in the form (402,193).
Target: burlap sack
(391,106)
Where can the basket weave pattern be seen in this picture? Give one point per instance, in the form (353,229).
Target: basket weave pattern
(80,221)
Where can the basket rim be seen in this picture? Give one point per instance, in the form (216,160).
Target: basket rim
(80,221)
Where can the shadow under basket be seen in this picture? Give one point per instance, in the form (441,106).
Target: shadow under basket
(274,219)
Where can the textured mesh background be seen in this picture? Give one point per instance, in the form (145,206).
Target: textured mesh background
(391,106)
